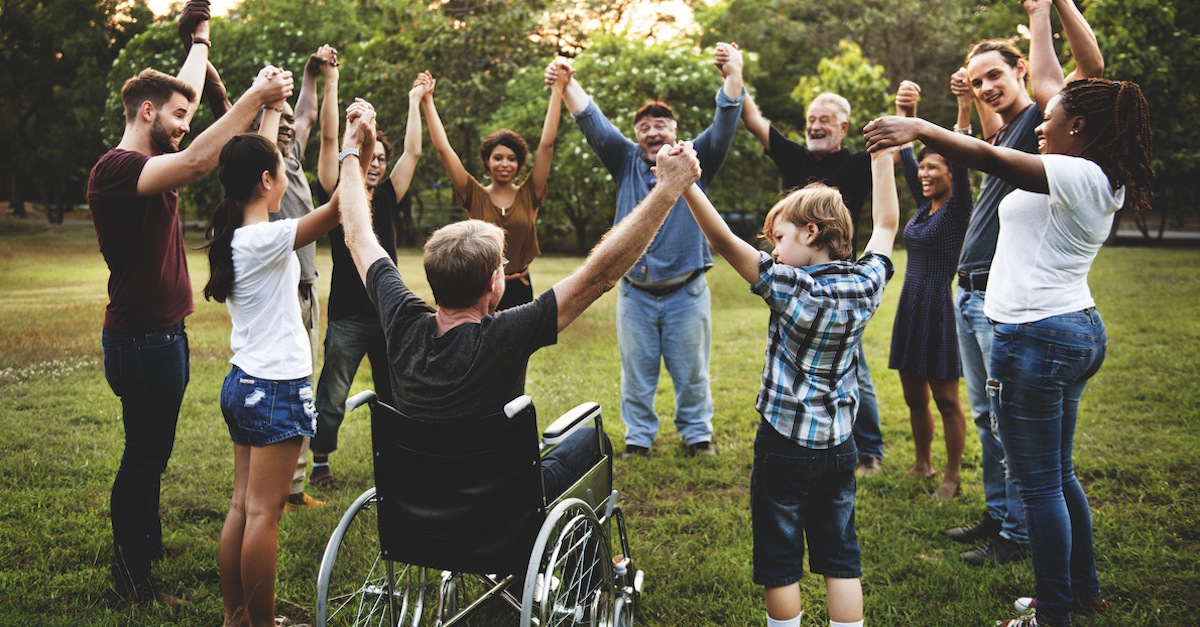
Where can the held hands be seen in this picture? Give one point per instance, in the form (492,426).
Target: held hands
(558,74)
(907,97)
(193,22)
(960,85)
(677,167)
(1036,6)
(323,62)
(422,87)
(360,125)
(728,59)
(272,86)
(890,132)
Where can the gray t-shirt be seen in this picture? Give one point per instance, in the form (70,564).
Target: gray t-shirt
(297,203)
(472,370)
(979,245)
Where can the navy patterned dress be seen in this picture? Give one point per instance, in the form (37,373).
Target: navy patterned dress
(924,336)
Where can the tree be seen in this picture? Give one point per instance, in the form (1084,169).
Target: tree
(53,91)
(1155,44)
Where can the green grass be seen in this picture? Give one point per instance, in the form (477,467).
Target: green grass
(60,438)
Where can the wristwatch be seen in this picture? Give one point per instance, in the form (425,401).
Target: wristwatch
(346,153)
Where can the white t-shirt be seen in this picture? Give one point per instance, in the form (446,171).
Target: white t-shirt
(1047,243)
(268,339)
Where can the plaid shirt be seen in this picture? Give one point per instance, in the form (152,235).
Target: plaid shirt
(818,313)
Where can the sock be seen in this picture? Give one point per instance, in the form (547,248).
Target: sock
(791,622)
(317,464)
(320,460)
(834,623)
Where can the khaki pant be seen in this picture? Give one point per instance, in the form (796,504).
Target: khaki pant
(310,315)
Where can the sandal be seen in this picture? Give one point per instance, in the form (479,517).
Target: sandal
(322,479)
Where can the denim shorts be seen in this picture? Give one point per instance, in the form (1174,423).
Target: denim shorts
(263,411)
(796,494)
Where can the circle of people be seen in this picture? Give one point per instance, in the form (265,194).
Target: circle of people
(1059,155)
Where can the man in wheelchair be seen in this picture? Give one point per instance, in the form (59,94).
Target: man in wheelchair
(463,360)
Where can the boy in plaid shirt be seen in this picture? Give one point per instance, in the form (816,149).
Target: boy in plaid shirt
(803,480)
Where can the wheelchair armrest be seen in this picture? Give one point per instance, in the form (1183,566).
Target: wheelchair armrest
(517,405)
(360,399)
(569,422)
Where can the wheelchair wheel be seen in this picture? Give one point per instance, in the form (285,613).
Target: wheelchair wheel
(353,587)
(569,580)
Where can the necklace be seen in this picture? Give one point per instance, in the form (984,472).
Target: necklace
(503,211)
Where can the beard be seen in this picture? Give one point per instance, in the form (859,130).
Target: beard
(161,139)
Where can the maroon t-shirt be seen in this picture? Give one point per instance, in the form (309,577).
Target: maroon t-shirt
(142,242)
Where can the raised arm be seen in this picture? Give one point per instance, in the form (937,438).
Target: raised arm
(741,255)
(758,126)
(306,103)
(437,134)
(268,126)
(1089,63)
(171,171)
(327,163)
(677,168)
(402,173)
(545,150)
(194,32)
(354,207)
(573,94)
(728,60)
(215,93)
(1020,169)
(324,218)
(885,203)
(1045,72)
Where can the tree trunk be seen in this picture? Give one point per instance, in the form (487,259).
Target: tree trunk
(15,201)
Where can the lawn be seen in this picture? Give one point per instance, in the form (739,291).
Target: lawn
(61,438)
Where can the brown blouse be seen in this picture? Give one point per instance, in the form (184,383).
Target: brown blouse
(519,221)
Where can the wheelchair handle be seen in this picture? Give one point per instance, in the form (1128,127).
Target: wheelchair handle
(358,400)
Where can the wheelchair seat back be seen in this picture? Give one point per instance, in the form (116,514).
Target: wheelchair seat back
(458,494)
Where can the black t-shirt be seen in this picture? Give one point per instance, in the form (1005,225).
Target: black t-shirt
(472,370)
(850,172)
(347,296)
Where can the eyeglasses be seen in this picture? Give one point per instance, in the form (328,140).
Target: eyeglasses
(503,262)
(379,158)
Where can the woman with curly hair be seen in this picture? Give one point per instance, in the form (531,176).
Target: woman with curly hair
(504,202)
(1048,337)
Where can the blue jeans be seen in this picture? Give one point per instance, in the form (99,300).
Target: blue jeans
(975,347)
(150,372)
(566,463)
(675,330)
(261,412)
(346,341)
(1038,372)
(868,436)
(800,494)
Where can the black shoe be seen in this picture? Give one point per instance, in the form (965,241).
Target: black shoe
(999,551)
(986,529)
(633,450)
(706,449)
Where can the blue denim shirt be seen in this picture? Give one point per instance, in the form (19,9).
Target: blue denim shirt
(680,246)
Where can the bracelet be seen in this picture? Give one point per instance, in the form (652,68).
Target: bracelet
(346,153)
(278,109)
(964,131)
(201,40)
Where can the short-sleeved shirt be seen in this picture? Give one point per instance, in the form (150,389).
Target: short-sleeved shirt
(849,172)
(979,245)
(268,339)
(518,221)
(347,296)
(1047,242)
(472,370)
(142,242)
(296,203)
(810,379)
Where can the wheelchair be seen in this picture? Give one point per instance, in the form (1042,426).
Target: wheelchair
(459,516)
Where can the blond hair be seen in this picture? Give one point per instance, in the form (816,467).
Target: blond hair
(817,204)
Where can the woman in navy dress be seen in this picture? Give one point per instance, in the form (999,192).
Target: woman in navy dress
(924,337)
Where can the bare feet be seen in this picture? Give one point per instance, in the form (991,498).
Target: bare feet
(921,472)
(946,491)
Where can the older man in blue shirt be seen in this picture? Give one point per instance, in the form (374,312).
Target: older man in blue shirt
(663,312)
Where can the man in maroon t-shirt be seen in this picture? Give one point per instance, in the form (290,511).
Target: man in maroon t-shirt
(132,196)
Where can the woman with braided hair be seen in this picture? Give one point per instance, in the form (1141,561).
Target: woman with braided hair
(1048,338)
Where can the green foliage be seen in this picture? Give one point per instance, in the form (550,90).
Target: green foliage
(854,78)
(1148,42)
(52,89)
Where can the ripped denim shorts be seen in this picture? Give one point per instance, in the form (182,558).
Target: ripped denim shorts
(264,411)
